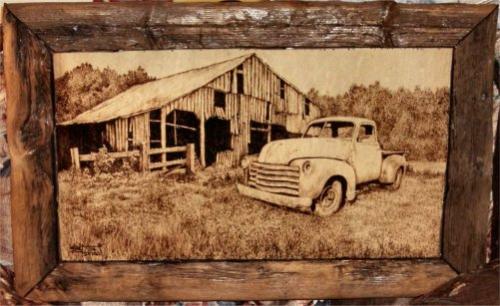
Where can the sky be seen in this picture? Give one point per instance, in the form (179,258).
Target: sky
(330,71)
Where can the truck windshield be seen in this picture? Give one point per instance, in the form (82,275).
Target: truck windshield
(334,129)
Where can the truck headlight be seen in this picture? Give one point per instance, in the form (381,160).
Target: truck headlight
(306,167)
(245,162)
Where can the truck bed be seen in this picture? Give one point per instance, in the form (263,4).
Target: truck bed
(386,153)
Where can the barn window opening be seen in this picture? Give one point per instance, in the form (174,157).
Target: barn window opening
(220,99)
(268,111)
(130,134)
(218,138)
(258,136)
(282,89)
(240,80)
(307,107)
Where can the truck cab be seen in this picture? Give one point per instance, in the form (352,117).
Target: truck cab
(320,171)
(360,134)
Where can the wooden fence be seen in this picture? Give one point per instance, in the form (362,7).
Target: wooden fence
(144,154)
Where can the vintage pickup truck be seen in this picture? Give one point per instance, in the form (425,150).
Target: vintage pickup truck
(320,171)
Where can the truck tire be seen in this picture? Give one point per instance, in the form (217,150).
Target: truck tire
(330,200)
(397,180)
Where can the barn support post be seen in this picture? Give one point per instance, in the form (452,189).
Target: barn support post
(190,157)
(163,128)
(269,121)
(175,128)
(75,158)
(202,140)
(144,157)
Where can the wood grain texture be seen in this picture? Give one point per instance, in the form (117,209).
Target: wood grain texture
(163,25)
(5,222)
(242,280)
(30,130)
(469,172)
(480,287)
(33,31)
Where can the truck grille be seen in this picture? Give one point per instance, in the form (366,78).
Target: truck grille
(274,178)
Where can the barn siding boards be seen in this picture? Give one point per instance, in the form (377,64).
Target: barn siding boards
(261,87)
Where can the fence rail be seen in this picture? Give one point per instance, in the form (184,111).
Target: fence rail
(144,153)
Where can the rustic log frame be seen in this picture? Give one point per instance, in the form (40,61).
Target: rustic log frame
(33,32)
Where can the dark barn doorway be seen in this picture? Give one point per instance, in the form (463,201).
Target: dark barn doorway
(86,137)
(259,133)
(155,133)
(278,132)
(218,138)
(182,129)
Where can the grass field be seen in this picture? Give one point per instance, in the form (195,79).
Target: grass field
(155,216)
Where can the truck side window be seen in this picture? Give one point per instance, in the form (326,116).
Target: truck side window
(366,133)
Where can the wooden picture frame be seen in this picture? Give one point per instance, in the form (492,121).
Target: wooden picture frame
(34,32)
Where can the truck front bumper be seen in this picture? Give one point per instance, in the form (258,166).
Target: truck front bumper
(299,203)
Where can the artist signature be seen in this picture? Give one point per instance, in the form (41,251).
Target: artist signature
(86,249)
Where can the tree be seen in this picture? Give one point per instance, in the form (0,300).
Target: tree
(84,87)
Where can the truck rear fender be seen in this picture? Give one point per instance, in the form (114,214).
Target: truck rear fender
(390,166)
(322,170)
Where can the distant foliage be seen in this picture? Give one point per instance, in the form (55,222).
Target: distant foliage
(84,87)
(412,120)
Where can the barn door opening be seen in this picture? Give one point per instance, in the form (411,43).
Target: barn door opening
(218,138)
(182,129)
(155,133)
(278,132)
(87,138)
(259,135)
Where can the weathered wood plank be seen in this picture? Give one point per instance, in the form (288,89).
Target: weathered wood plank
(30,129)
(162,25)
(109,27)
(167,150)
(175,162)
(124,154)
(480,287)
(469,171)
(242,280)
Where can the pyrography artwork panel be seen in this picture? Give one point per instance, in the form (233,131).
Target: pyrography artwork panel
(223,154)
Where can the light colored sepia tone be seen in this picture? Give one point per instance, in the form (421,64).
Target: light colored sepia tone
(252,154)
(306,69)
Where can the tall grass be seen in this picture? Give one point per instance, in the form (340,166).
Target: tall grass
(153,217)
(413,120)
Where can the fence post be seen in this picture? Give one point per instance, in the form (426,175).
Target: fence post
(144,157)
(190,158)
(75,158)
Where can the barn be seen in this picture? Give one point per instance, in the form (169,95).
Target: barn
(227,109)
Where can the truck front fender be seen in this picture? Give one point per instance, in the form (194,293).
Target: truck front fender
(390,166)
(320,172)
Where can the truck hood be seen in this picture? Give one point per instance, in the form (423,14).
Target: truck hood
(284,151)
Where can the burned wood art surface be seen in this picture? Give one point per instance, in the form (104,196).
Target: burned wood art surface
(195,183)
(236,154)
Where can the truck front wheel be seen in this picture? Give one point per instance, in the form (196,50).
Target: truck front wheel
(330,199)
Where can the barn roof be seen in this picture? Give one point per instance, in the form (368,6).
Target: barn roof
(148,96)
(152,95)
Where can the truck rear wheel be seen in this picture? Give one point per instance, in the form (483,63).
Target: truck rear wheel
(330,199)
